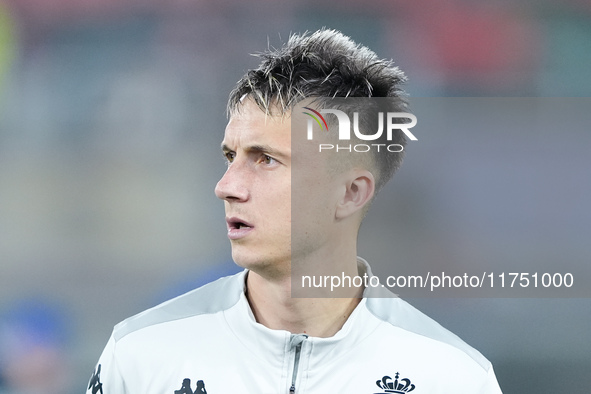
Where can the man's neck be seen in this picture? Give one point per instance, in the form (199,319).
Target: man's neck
(273,307)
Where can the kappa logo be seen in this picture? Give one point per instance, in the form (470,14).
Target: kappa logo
(186,388)
(95,381)
(400,386)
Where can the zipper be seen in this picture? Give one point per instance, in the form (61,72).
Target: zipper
(296,340)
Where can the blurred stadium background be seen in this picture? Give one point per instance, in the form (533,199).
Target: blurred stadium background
(111,114)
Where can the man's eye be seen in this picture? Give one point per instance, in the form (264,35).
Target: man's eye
(268,159)
(229,156)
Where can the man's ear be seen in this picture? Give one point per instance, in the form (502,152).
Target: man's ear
(358,192)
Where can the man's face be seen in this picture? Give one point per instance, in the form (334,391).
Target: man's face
(256,188)
(269,176)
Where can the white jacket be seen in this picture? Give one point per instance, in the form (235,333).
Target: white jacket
(207,341)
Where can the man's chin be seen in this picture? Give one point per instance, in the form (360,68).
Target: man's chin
(249,262)
(263,265)
(244,259)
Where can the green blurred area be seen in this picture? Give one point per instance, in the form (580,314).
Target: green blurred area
(7,45)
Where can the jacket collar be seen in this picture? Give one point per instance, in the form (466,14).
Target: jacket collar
(266,343)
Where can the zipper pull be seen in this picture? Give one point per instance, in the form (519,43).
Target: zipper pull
(296,341)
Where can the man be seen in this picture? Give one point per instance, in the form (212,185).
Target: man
(247,333)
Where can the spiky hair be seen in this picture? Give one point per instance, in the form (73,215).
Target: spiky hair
(325,63)
(320,65)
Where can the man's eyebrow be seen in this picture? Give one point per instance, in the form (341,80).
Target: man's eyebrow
(258,149)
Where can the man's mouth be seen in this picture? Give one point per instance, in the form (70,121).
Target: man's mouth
(238,228)
(236,223)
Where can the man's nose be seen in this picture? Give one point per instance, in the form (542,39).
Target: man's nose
(233,185)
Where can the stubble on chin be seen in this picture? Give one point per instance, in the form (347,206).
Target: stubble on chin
(270,268)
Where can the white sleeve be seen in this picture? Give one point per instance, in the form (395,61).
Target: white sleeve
(106,378)
(491,385)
